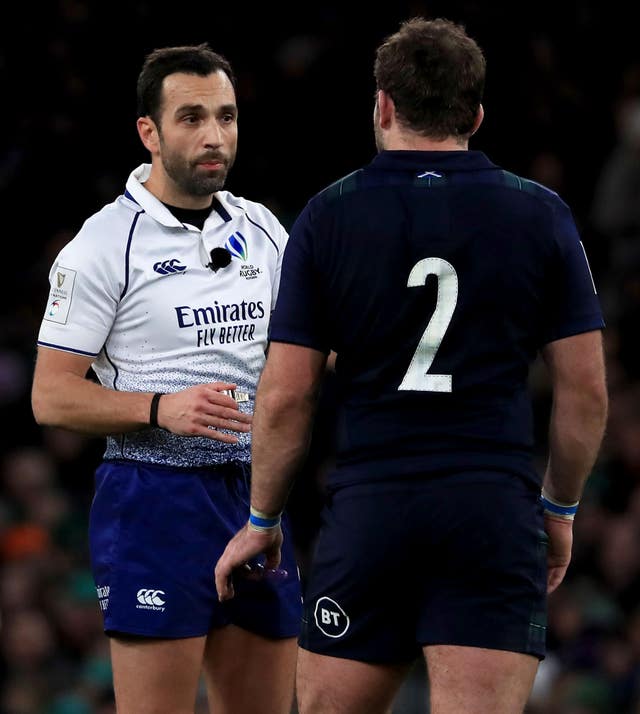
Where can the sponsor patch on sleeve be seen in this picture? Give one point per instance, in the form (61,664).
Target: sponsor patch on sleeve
(60,295)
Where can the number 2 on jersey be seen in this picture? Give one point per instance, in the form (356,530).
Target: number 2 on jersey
(417,377)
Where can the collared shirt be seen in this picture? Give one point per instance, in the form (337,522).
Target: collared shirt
(436,277)
(133,291)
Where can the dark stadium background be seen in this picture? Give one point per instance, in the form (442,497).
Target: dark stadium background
(562,107)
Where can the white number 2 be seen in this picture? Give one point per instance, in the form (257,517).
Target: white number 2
(417,377)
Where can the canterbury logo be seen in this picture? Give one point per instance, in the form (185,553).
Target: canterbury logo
(167,267)
(150,597)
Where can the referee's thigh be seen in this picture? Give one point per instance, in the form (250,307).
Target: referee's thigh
(247,673)
(156,676)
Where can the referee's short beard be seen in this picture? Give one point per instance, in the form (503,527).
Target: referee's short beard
(192,180)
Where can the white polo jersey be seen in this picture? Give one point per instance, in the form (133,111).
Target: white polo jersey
(133,291)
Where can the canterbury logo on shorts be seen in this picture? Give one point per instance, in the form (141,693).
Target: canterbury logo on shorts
(150,597)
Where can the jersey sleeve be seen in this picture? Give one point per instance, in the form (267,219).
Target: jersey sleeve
(298,316)
(82,300)
(574,304)
(282,239)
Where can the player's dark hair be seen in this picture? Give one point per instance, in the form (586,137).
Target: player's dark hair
(193,59)
(435,74)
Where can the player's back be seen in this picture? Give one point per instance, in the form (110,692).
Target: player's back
(436,278)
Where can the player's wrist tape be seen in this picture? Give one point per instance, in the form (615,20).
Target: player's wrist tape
(260,521)
(567,511)
(153,409)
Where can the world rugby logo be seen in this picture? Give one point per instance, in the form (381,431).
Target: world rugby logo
(236,244)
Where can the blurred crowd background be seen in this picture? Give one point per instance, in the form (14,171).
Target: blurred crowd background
(562,107)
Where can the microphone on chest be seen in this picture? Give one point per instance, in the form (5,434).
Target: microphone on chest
(220,258)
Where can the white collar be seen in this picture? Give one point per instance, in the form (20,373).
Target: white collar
(155,208)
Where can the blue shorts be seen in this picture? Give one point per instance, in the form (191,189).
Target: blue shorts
(156,534)
(456,560)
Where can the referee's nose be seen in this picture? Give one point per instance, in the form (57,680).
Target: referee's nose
(214,136)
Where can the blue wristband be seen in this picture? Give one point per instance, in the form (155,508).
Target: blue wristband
(261,522)
(567,511)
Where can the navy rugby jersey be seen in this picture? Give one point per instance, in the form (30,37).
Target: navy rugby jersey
(436,277)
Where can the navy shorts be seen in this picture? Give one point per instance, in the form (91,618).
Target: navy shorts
(156,534)
(456,560)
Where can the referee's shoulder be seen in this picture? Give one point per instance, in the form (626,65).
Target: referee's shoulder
(111,225)
(244,205)
(256,213)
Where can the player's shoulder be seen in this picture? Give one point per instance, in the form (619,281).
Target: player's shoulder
(532,188)
(325,199)
(342,187)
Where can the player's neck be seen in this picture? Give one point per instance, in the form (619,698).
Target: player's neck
(410,141)
(397,137)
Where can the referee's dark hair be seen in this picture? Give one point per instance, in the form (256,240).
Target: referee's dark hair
(190,59)
(434,73)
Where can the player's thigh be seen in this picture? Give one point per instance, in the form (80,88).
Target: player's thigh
(473,680)
(246,673)
(334,685)
(156,676)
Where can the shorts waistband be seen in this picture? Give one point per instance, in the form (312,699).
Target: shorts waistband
(224,469)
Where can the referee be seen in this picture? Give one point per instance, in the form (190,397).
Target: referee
(166,294)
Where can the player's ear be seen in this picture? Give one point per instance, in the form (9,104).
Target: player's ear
(478,120)
(386,109)
(148,133)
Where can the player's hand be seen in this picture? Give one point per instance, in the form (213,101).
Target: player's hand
(203,410)
(245,545)
(560,532)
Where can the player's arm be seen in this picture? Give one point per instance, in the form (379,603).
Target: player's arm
(62,396)
(285,404)
(579,412)
(578,417)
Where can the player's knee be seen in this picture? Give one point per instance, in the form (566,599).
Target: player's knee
(316,700)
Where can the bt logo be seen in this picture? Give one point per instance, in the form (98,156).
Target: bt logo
(330,618)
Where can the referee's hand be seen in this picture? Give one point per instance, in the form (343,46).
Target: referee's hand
(203,410)
(245,545)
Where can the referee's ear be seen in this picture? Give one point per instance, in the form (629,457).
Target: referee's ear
(148,133)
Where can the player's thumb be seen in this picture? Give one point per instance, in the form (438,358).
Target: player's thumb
(272,558)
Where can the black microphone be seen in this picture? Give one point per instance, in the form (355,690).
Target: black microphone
(220,258)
